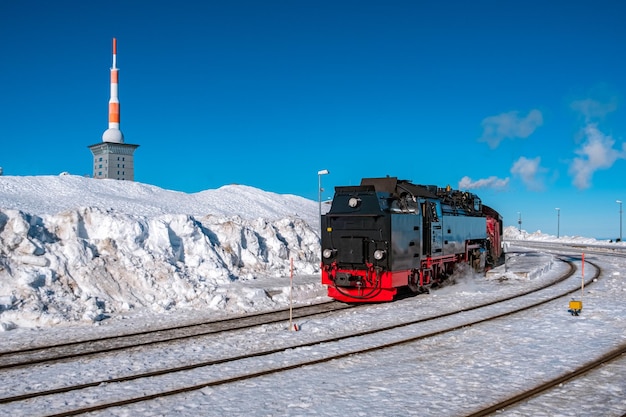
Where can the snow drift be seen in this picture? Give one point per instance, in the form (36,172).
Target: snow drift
(74,248)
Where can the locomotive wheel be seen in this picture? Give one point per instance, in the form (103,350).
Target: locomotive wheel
(414,286)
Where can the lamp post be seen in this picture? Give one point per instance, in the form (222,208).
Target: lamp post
(319,188)
(519,221)
(620,218)
(558,221)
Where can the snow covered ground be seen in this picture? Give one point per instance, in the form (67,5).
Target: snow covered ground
(81,256)
(452,374)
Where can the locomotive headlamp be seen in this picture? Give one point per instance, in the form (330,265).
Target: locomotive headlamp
(328,253)
(379,254)
(353,202)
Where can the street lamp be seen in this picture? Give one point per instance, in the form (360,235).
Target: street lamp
(519,221)
(620,218)
(319,187)
(558,221)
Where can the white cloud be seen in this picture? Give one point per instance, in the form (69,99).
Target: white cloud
(529,171)
(467,183)
(593,109)
(595,153)
(509,126)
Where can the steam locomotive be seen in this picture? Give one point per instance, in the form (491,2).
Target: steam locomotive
(388,234)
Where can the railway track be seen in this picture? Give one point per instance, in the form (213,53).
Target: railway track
(595,364)
(72,350)
(281,358)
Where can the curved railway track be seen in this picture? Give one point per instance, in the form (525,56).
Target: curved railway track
(615,355)
(229,369)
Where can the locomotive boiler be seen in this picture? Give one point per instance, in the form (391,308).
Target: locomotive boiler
(387,234)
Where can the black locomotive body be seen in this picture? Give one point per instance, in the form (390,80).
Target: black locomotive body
(387,233)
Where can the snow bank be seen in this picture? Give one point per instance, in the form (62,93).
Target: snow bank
(524,266)
(110,250)
(53,194)
(513,233)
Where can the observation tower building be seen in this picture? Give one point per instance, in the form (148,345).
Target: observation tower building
(112,158)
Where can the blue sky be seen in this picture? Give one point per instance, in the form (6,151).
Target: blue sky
(520,102)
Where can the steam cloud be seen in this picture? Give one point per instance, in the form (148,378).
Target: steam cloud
(467,183)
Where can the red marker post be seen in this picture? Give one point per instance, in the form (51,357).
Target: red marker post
(292,326)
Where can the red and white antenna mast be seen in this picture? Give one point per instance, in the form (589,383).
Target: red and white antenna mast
(113,133)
